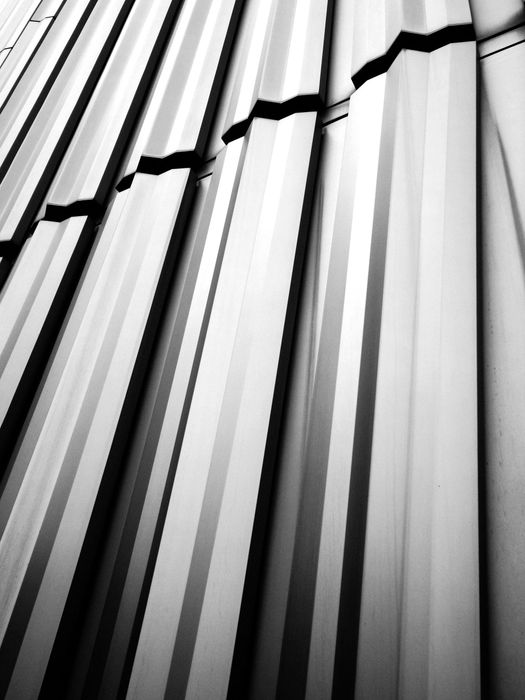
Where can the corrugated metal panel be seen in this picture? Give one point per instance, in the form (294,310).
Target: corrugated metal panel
(19,56)
(376,319)
(14,15)
(115,616)
(193,67)
(27,98)
(282,60)
(87,169)
(260,360)
(48,509)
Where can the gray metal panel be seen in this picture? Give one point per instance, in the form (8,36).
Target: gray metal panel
(377,23)
(160,426)
(503,217)
(266,508)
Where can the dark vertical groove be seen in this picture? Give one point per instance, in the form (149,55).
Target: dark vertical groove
(62,657)
(484,582)
(345,667)
(246,633)
(426,43)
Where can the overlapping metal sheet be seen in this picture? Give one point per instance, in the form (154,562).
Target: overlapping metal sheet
(503,211)
(260,349)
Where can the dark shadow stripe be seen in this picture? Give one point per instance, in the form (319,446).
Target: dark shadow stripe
(8,249)
(147,577)
(62,655)
(335,119)
(152,165)
(276,111)
(483,525)
(82,207)
(37,360)
(426,43)
(104,653)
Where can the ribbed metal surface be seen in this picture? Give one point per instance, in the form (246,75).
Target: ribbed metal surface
(261,375)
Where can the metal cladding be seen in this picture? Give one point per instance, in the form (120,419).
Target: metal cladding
(502,99)
(193,67)
(261,349)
